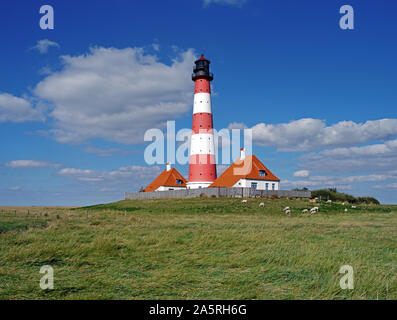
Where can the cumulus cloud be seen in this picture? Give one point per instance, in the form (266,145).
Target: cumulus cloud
(310,134)
(116,94)
(124,178)
(386,186)
(237,125)
(43,45)
(376,157)
(302,173)
(15,109)
(236,3)
(31,164)
(340,182)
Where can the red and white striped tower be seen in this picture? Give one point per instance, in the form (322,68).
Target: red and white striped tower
(202,166)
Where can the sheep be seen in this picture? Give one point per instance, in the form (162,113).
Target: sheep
(305,211)
(314,210)
(244,201)
(329,201)
(261,205)
(288,211)
(354,207)
(346,210)
(287,208)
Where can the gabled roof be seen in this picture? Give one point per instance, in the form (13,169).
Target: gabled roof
(237,171)
(167,179)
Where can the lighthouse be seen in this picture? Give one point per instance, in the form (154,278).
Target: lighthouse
(202,166)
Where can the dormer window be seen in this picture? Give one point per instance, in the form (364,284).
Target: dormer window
(179,181)
(262,173)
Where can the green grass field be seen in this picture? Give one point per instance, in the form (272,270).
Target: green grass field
(203,248)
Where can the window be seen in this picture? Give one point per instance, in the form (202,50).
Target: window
(254,185)
(267,186)
(262,173)
(179,181)
(273,186)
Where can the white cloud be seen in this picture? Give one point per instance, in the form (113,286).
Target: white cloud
(16,109)
(124,178)
(45,71)
(236,3)
(386,186)
(43,45)
(375,158)
(311,134)
(340,182)
(116,94)
(237,125)
(302,173)
(31,164)
(16,188)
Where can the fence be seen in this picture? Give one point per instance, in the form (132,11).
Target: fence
(217,192)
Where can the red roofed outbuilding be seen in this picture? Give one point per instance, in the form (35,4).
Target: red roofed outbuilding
(169,179)
(248,172)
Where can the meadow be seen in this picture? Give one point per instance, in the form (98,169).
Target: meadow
(202,248)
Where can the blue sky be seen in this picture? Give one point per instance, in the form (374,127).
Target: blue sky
(75,101)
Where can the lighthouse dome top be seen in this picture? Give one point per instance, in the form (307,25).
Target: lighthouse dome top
(202,58)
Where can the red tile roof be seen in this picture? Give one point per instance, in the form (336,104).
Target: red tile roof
(167,179)
(239,170)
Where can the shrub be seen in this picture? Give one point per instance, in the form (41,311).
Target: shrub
(331,194)
(368,200)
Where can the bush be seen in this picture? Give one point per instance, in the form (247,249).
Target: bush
(331,194)
(368,200)
(274,196)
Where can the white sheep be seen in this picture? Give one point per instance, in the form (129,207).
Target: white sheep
(288,211)
(261,205)
(305,211)
(244,201)
(354,207)
(313,210)
(287,208)
(346,210)
(329,201)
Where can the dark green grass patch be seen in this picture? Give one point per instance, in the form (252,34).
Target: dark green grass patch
(6,226)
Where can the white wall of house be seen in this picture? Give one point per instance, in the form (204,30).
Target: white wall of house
(164,188)
(261,184)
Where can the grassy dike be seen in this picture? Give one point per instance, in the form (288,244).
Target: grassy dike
(203,248)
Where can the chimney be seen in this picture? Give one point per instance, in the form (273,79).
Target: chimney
(168,166)
(242,154)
